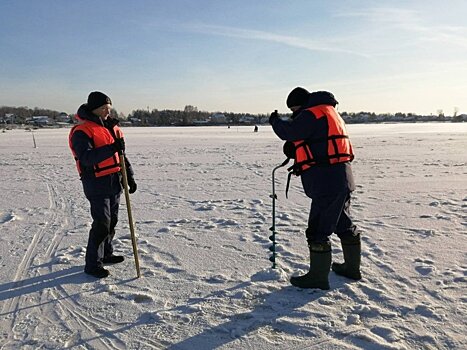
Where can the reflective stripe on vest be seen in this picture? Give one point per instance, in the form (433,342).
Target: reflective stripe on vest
(339,148)
(100,136)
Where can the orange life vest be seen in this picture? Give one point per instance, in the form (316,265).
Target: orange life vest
(100,136)
(339,148)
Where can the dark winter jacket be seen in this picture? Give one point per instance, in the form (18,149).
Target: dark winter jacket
(88,156)
(320,179)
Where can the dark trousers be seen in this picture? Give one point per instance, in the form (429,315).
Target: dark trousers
(104,212)
(328,214)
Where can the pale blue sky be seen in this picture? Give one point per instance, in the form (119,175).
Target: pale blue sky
(241,56)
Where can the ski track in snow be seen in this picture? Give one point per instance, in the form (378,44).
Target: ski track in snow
(202,215)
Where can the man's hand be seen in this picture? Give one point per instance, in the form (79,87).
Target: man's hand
(132,185)
(119,145)
(274,116)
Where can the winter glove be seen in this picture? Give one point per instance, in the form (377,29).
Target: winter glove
(132,185)
(119,145)
(289,149)
(110,122)
(295,114)
(274,116)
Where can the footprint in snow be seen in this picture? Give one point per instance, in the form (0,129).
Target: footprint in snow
(231,247)
(142,298)
(424,266)
(226,222)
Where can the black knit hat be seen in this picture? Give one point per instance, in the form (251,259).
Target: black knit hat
(97,99)
(297,97)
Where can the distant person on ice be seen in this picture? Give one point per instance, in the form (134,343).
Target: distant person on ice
(95,143)
(318,142)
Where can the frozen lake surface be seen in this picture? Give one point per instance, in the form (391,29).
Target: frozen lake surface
(203,213)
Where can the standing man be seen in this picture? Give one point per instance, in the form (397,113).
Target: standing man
(97,144)
(317,140)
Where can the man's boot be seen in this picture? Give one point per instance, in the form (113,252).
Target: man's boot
(351,247)
(297,280)
(317,277)
(309,238)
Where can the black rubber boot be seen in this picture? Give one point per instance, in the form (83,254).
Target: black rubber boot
(309,239)
(296,280)
(98,272)
(113,259)
(352,248)
(317,277)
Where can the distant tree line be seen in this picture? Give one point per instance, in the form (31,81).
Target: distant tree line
(370,117)
(190,115)
(23,113)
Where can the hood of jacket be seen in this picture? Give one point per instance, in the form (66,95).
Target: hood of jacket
(85,114)
(315,99)
(321,98)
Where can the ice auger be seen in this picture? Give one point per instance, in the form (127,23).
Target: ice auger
(272,238)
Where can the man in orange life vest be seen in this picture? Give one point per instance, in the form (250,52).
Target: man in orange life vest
(96,143)
(317,141)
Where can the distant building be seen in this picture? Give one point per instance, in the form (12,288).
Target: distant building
(9,118)
(218,118)
(200,122)
(63,118)
(40,120)
(247,119)
(134,121)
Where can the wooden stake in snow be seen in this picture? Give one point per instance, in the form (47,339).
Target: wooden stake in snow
(33,138)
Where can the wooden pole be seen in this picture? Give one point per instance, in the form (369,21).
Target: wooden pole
(130,216)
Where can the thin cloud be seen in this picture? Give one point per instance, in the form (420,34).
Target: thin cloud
(411,21)
(307,44)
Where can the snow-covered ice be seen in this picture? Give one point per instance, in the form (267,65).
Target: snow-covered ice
(202,216)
